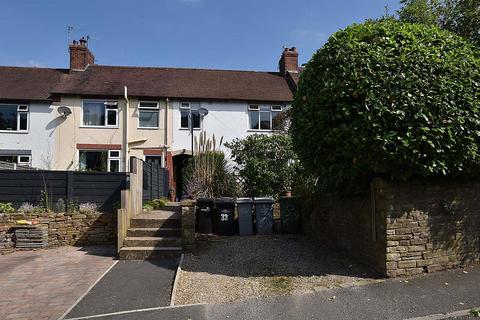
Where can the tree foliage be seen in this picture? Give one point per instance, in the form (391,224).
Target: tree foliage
(265,163)
(388,98)
(459,16)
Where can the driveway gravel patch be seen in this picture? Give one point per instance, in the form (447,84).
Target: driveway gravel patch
(238,268)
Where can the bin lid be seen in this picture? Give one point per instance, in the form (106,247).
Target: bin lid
(224,200)
(264,200)
(244,200)
(205,200)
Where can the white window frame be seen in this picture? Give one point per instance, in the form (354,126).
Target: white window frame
(21,109)
(157,108)
(257,108)
(114,158)
(106,103)
(24,163)
(189,108)
(110,157)
(27,163)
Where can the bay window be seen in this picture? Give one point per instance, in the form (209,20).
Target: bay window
(148,115)
(14,118)
(100,113)
(264,117)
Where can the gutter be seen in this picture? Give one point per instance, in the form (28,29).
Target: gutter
(125,131)
(165,141)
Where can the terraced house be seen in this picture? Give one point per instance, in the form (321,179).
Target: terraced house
(95,117)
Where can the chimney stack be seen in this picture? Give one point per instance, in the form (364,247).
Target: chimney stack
(289,61)
(80,55)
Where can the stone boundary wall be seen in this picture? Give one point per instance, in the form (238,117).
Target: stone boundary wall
(431,224)
(348,225)
(403,228)
(63,228)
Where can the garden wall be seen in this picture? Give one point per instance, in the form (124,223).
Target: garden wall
(63,228)
(431,225)
(404,228)
(349,225)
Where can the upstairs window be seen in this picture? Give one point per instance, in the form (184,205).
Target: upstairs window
(148,115)
(14,118)
(100,113)
(185,108)
(264,117)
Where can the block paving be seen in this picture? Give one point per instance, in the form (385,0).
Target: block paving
(43,284)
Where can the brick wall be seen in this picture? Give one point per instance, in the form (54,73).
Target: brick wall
(63,228)
(403,228)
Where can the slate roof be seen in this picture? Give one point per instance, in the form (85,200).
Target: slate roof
(23,83)
(176,83)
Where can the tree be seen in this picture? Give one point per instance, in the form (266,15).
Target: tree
(391,99)
(459,16)
(266,163)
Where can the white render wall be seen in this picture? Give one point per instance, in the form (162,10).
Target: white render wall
(225,119)
(40,138)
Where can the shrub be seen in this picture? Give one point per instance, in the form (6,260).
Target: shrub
(155,204)
(392,99)
(207,174)
(6,207)
(266,163)
(27,207)
(87,207)
(60,206)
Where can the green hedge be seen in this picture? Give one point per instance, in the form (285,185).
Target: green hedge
(388,98)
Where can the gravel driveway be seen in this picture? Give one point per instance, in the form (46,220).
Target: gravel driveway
(238,268)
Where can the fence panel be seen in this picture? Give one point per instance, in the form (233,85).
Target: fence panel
(155,182)
(103,188)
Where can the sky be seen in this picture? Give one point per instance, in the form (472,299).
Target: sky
(216,34)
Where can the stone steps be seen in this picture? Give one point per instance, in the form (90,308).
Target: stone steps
(154,234)
(143,253)
(152,242)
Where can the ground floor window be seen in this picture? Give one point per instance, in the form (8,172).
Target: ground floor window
(99,160)
(23,160)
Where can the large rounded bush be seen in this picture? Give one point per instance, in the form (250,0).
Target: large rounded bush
(388,98)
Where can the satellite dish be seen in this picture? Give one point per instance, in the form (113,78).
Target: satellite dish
(64,111)
(203,112)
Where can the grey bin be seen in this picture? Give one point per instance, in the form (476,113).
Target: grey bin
(245,217)
(264,215)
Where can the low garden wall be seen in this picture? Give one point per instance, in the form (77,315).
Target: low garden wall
(63,228)
(404,228)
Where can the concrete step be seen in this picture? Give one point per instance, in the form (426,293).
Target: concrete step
(172,206)
(152,242)
(154,232)
(143,253)
(159,214)
(155,222)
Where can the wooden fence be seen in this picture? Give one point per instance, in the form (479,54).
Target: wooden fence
(102,188)
(155,182)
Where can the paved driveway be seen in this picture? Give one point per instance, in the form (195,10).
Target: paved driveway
(44,284)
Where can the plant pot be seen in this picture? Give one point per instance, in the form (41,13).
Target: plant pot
(287,194)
